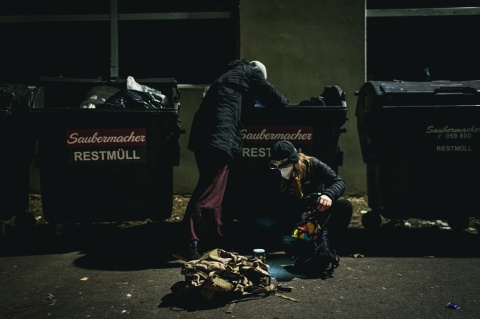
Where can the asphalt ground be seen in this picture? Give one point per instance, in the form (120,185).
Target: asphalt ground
(116,271)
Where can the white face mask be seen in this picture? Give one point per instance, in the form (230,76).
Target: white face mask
(286,172)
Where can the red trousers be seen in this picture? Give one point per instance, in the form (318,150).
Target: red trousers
(204,210)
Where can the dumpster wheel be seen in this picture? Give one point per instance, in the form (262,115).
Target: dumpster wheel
(372,220)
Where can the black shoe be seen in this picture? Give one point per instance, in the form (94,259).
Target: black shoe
(189,253)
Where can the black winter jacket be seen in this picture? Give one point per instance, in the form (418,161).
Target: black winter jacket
(323,179)
(217,123)
(320,178)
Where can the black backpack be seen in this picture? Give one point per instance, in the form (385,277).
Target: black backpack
(310,247)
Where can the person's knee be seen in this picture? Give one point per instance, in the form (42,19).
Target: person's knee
(345,208)
(341,215)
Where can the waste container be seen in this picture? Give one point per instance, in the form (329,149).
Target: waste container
(313,129)
(421,145)
(106,162)
(17,141)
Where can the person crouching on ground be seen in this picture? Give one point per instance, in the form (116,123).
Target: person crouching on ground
(299,177)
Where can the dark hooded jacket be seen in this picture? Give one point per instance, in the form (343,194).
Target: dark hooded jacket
(217,123)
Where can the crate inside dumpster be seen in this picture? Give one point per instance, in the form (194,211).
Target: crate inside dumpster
(420,141)
(108,157)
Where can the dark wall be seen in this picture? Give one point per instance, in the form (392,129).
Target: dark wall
(401,47)
(405,37)
(188,40)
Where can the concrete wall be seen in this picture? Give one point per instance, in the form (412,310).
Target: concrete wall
(185,175)
(305,45)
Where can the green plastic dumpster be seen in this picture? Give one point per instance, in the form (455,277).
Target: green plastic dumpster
(421,145)
(17,141)
(112,161)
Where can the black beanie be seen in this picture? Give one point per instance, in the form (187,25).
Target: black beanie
(284,149)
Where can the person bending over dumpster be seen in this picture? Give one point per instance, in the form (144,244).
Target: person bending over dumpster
(304,184)
(216,141)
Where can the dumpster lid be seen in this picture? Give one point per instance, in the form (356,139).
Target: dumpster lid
(63,92)
(435,87)
(98,80)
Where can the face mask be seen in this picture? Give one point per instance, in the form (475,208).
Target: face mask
(286,172)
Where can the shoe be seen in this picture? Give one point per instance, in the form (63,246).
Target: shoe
(190,252)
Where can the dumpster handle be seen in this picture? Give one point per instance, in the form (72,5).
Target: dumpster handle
(455,90)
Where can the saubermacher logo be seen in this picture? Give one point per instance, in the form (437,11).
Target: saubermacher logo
(106,137)
(123,145)
(271,134)
(257,140)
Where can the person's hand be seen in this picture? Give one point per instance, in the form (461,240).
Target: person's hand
(305,215)
(323,203)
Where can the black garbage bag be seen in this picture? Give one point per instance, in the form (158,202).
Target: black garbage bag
(314,100)
(331,96)
(15,96)
(131,99)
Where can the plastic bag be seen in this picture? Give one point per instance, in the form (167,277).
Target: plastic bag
(98,95)
(156,94)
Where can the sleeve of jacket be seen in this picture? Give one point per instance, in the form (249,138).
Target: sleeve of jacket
(331,184)
(267,93)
